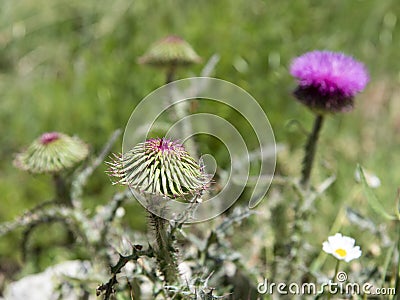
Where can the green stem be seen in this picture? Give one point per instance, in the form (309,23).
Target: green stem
(310,151)
(334,277)
(170,75)
(181,110)
(336,271)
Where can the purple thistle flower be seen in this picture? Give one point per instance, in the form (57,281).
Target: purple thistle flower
(328,81)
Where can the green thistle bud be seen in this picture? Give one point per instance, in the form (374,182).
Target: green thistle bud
(171,51)
(52,153)
(161,167)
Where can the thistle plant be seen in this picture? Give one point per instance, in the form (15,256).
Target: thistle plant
(53,153)
(161,170)
(328,82)
(170,53)
(56,154)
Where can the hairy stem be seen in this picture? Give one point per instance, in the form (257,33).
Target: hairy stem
(281,251)
(310,152)
(164,252)
(61,190)
(301,216)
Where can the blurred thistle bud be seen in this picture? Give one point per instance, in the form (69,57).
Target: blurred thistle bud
(52,153)
(159,166)
(372,180)
(328,81)
(171,51)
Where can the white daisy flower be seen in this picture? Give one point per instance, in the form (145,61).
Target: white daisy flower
(342,247)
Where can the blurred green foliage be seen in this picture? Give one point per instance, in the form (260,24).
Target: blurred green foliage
(71,66)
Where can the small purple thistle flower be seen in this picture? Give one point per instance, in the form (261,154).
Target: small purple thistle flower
(328,81)
(164,145)
(49,137)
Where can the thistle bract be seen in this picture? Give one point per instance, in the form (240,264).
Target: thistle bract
(51,153)
(159,166)
(170,51)
(328,81)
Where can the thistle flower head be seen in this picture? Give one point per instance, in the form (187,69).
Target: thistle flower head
(52,152)
(342,247)
(159,166)
(170,51)
(328,81)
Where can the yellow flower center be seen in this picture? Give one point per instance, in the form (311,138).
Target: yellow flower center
(341,252)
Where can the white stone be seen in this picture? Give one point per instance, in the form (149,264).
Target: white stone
(43,285)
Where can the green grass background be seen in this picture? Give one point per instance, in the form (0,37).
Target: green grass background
(71,66)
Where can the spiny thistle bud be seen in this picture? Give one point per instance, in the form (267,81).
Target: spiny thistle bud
(159,166)
(328,81)
(171,51)
(52,153)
